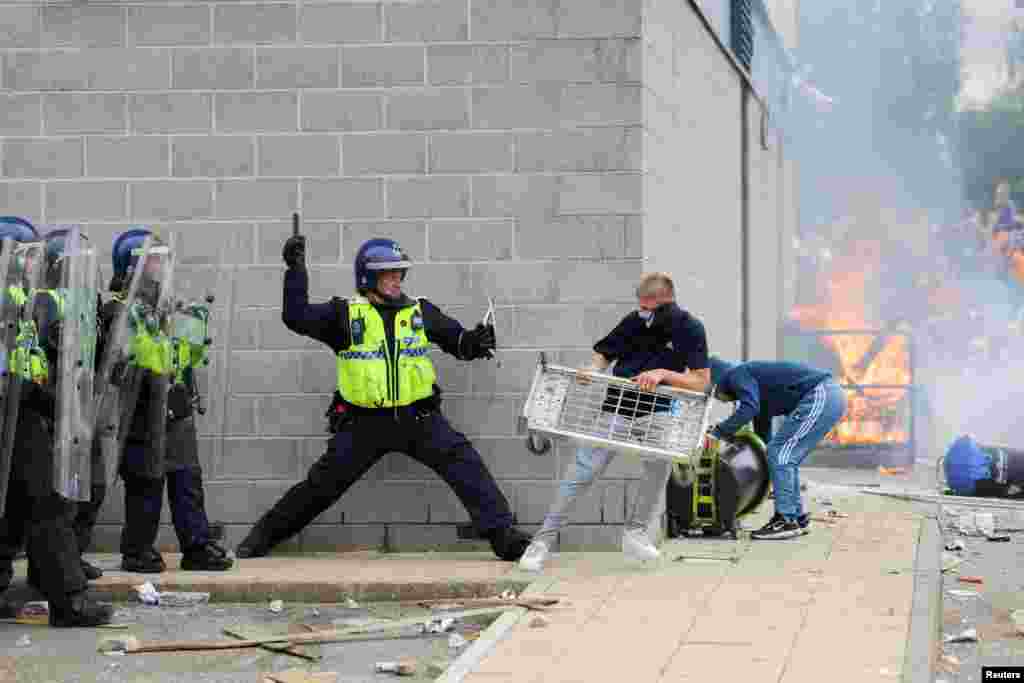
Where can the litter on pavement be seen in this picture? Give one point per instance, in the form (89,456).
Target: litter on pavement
(963,594)
(1017,617)
(967,636)
(148,594)
(971,579)
(455,641)
(955,545)
(407,668)
(276,606)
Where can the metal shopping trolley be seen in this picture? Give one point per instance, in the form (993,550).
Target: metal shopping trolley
(666,424)
(712,484)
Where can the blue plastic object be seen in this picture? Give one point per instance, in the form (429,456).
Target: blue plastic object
(966,464)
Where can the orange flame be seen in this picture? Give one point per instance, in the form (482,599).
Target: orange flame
(874,415)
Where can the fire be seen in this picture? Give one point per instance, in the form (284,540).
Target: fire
(874,414)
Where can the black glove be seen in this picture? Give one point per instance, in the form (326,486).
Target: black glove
(478,342)
(53,333)
(294,252)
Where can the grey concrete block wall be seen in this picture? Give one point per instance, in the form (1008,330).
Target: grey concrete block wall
(543,153)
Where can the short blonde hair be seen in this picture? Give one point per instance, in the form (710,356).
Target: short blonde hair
(655,283)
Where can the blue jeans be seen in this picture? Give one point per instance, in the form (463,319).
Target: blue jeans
(589,464)
(815,415)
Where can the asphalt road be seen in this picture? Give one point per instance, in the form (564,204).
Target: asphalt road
(70,655)
(985,607)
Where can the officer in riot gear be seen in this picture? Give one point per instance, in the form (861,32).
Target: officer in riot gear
(50,463)
(160,443)
(386,399)
(88,511)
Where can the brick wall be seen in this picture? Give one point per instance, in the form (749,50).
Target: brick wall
(501,143)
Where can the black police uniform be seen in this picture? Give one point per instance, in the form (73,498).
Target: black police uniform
(364,435)
(40,517)
(143,494)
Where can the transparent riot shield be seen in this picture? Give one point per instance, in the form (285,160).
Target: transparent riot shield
(137,360)
(21,266)
(74,332)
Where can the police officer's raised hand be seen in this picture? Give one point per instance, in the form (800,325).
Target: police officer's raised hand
(478,342)
(294,252)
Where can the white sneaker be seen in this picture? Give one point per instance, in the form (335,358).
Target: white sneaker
(636,545)
(534,557)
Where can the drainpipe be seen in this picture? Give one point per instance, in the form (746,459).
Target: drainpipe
(742,42)
(744,221)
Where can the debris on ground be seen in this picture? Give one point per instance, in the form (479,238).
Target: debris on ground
(539,622)
(436,668)
(949,663)
(455,641)
(967,636)
(276,606)
(1017,617)
(182,599)
(351,604)
(300,676)
(34,608)
(441,625)
(121,644)
(508,595)
(963,594)
(706,558)
(24,641)
(405,668)
(999,539)
(889,471)
(955,545)
(971,579)
(950,562)
(148,594)
(529,603)
(251,632)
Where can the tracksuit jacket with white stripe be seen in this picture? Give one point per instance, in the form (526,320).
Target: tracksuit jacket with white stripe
(766,389)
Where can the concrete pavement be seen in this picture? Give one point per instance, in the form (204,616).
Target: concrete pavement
(856,600)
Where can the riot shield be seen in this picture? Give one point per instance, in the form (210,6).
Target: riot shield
(75,335)
(20,271)
(137,363)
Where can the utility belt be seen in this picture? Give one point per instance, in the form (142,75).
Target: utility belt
(341,413)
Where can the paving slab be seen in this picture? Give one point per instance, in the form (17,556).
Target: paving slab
(844,601)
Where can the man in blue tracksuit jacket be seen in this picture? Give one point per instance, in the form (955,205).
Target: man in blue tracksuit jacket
(811,402)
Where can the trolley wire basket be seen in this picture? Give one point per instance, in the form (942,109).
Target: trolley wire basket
(612,412)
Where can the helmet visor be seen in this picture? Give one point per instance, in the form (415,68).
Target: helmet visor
(380,257)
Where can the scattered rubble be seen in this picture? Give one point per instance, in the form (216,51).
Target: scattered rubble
(967,636)
(147,594)
(456,641)
(441,625)
(1017,617)
(404,668)
(276,606)
(955,545)
(351,604)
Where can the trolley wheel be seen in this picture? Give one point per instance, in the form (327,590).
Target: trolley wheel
(538,445)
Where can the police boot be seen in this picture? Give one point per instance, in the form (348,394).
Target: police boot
(91,571)
(255,544)
(508,543)
(210,557)
(79,610)
(147,562)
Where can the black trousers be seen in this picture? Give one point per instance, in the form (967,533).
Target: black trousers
(143,502)
(39,518)
(86,516)
(427,438)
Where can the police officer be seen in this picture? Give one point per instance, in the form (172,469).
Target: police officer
(87,511)
(386,399)
(180,472)
(34,511)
